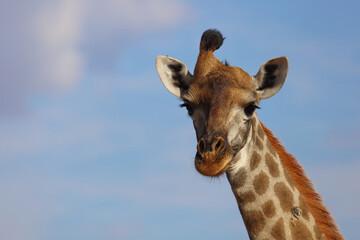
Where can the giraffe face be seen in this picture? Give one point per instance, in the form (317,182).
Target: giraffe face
(221,108)
(220,100)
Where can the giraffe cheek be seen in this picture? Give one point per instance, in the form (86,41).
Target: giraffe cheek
(237,137)
(233,136)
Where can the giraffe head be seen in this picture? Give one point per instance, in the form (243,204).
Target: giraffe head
(220,99)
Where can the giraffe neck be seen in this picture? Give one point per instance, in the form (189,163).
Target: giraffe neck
(268,200)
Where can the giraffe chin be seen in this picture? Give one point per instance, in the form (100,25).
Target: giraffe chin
(212,166)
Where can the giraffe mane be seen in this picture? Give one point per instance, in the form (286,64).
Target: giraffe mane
(313,200)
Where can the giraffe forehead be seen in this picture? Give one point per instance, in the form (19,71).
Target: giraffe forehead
(226,75)
(221,90)
(221,82)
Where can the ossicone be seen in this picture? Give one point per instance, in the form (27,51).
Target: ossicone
(211,40)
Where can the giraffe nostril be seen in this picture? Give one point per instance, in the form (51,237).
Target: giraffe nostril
(201,146)
(219,144)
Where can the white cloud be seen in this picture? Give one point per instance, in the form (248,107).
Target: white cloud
(138,15)
(50,45)
(58,28)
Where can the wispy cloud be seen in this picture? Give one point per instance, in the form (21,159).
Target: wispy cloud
(49,46)
(58,29)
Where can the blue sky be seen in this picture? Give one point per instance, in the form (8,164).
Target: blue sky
(92,146)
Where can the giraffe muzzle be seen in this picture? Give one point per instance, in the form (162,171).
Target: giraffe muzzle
(212,157)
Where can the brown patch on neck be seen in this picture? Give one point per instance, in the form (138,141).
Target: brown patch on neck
(259,144)
(255,222)
(278,231)
(272,165)
(312,199)
(299,231)
(269,209)
(261,183)
(246,197)
(285,196)
(254,161)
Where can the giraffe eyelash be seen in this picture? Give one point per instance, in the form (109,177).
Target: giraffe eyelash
(250,109)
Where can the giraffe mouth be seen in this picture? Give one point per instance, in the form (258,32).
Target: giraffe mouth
(211,165)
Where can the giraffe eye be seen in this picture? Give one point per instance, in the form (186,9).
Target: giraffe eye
(250,109)
(188,108)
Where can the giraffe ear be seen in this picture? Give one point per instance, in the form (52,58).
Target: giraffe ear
(174,74)
(271,77)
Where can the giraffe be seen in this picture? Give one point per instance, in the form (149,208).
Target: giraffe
(274,196)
